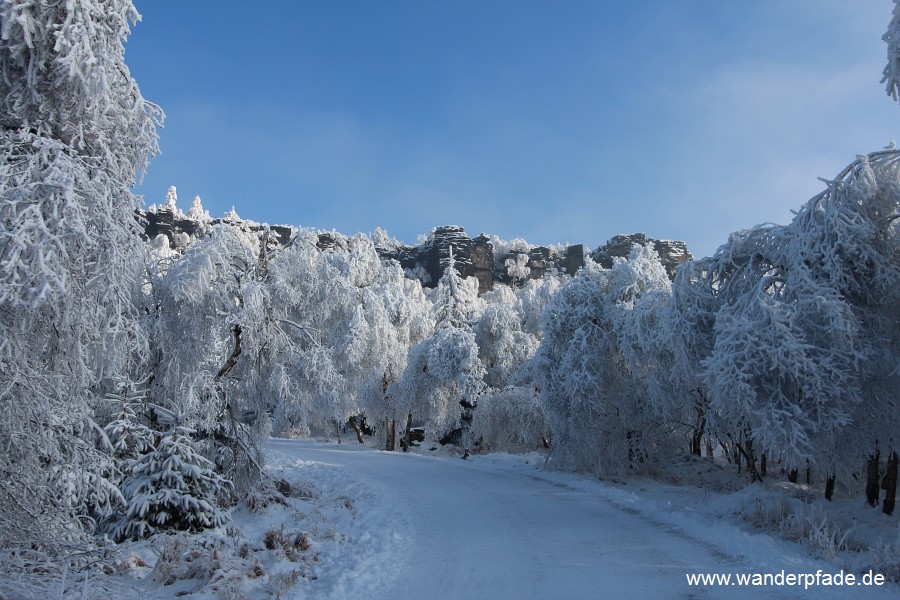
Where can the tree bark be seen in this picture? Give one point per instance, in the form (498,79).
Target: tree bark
(405,443)
(763,465)
(700,427)
(635,451)
(829,488)
(747,451)
(889,484)
(793,475)
(390,426)
(872,467)
(232,360)
(355,425)
(697,436)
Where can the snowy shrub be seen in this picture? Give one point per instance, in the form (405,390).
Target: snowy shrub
(33,575)
(126,436)
(502,345)
(171,488)
(882,557)
(831,532)
(510,420)
(289,543)
(595,403)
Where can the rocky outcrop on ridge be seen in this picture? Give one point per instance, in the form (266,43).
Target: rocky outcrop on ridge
(473,257)
(672,254)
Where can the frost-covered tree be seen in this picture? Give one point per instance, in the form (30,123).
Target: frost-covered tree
(533,299)
(314,301)
(805,339)
(455,299)
(127,436)
(345,322)
(74,134)
(595,404)
(502,345)
(566,371)
(211,331)
(65,79)
(171,204)
(846,277)
(779,375)
(441,373)
(444,371)
(891,75)
(392,317)
(172,487)
(197,213)
(668,335)
(517,268)
(511,419)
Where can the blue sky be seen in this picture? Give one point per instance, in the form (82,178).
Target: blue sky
(556,122)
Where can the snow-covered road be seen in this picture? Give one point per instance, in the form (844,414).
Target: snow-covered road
(503,530)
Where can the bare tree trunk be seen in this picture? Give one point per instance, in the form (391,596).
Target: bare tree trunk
(697,442)
(355,425)
(635,448)
(889,484)
(232,359)
(229,431)
(872,468)
(337,430)
(405,443)
(697,436)
(390,427)
(829,488)
(793,475)
(747,451)
(409,431)
(763,467)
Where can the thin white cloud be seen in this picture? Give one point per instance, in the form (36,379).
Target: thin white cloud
(756,136)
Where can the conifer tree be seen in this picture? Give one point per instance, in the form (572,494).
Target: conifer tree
(173,487)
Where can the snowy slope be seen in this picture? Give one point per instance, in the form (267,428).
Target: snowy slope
(499,527)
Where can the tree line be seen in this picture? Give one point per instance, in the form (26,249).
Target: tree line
(137,381)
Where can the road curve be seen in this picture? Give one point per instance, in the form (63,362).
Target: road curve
(484,530)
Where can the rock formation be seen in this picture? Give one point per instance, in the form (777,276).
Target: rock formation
(672,254)
(474,257)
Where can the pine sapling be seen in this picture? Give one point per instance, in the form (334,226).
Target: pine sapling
(172,488)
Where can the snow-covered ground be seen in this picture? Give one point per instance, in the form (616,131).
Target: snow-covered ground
(362,523)
(502,527)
